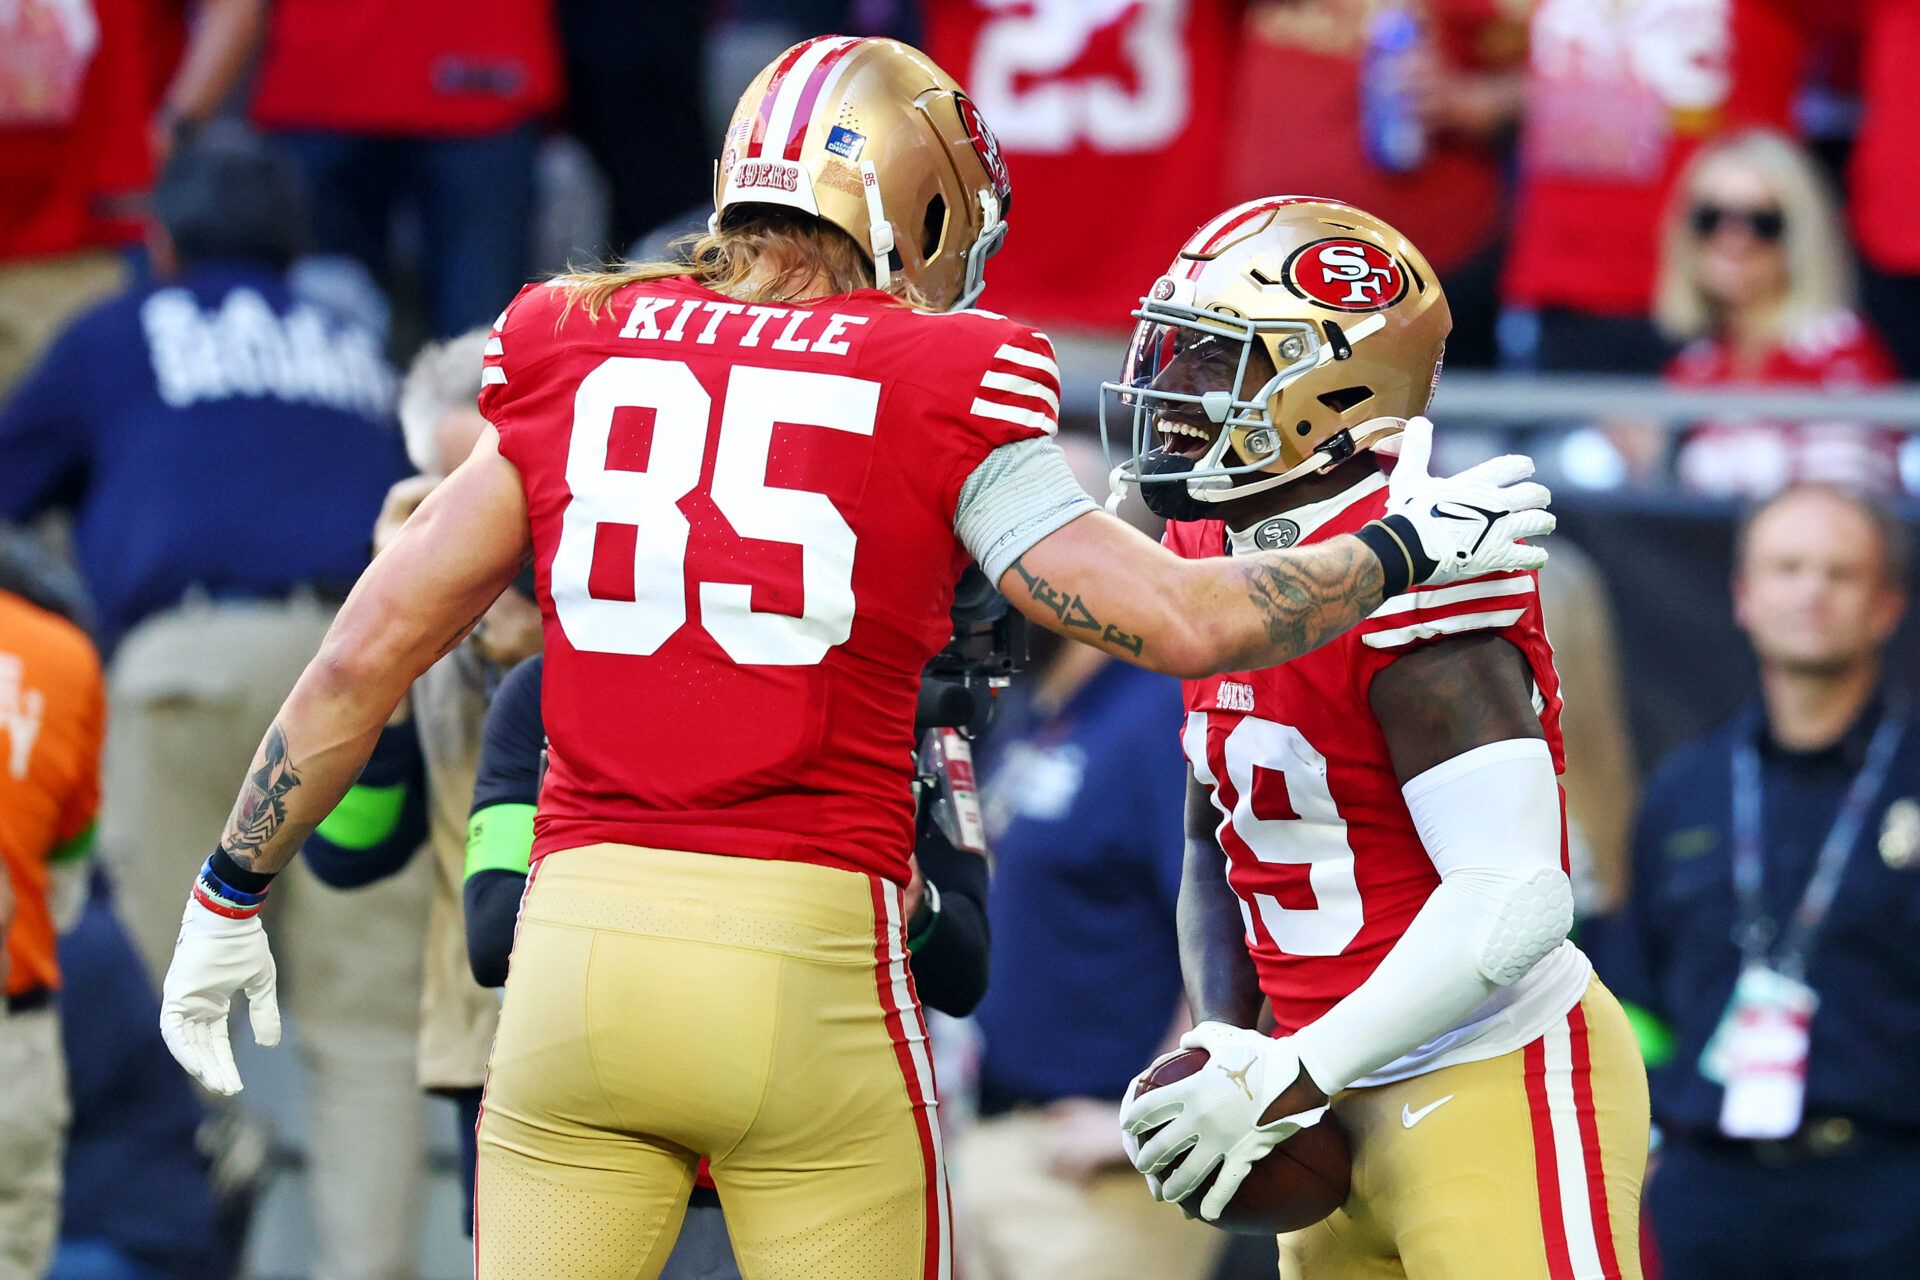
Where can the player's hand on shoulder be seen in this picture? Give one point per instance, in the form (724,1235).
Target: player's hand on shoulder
(1249,1096)
(1466,525)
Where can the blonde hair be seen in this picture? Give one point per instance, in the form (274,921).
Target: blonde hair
(1819,266)
(768,255)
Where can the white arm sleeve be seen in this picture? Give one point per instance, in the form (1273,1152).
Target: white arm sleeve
(1020,493)
(1490,820)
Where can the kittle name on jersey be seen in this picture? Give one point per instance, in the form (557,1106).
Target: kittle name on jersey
(782,328)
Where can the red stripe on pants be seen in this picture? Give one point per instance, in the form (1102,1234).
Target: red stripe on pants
(1590,1143)
(884,941)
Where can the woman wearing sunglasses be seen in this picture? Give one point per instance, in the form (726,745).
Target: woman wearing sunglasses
(1757,279)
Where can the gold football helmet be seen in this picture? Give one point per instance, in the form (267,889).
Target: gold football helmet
(1334,314)
(873,137)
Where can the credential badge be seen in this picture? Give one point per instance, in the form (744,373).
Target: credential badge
(1900,834)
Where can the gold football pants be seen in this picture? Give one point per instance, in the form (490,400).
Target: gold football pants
(663,1006)
(1522,1167)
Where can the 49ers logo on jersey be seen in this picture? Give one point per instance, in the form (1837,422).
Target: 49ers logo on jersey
(986,146)
(1347,275)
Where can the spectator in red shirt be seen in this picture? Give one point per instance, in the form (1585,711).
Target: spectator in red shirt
(1301,61)
(1110,116)
(434,103)
(1884,188)
(1756,278)
(1618,96)
(85,87)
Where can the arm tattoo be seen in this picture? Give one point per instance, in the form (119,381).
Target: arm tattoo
(1074,613)
(1307,600)
(261,811)
(453,641)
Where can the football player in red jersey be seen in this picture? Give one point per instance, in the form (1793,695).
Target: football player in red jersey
(746,484)
(1375,843)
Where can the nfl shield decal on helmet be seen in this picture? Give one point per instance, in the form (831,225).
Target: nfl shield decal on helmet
(1346,275)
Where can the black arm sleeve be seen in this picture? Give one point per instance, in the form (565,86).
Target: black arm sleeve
(514,740)
(492,900)
(950,966)
(396,762)
(511,749)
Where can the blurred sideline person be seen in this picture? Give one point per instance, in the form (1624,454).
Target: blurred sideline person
(141,1201)
(1600,778)
(418,784)
(52,718)
(734,638)
(434,105)
(224,446)
(1612,111)
(93,93)
(1882,184)
(1080,787)
(1757,279)
(945,907)
(1375,842)
(1768,942)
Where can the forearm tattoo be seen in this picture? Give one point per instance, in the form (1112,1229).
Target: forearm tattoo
(1075,615)
(1307,598)
(260,814)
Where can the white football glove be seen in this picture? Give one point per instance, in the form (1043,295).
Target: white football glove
(1211,1119)
(1466,525)
(213,958)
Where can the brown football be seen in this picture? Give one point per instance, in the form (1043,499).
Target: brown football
(1295,1185)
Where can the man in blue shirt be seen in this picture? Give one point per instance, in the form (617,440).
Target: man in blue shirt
(223,446)
(1770,947)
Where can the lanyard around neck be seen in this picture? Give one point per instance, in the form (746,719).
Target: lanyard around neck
(1756,932)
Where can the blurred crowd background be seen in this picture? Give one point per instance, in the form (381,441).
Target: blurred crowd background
(245,246)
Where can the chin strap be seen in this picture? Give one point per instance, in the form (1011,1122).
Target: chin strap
(880,231)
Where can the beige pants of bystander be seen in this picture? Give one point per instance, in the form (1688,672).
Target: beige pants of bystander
(33,1136)
(191,692)
(1015,1219)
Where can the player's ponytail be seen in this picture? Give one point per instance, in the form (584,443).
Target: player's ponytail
(761,254)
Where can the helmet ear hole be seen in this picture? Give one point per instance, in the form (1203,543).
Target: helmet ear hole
(1346,398)
(933,229)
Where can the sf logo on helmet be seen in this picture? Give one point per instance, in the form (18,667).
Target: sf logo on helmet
(1346,275)
(985,145)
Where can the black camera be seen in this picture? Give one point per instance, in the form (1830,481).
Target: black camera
(989,646)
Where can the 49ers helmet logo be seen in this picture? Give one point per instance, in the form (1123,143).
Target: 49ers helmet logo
(987,146)
(1346,275)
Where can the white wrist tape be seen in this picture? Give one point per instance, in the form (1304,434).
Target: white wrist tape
(1490,820)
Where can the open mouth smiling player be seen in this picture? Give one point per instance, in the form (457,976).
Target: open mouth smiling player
(1374,827)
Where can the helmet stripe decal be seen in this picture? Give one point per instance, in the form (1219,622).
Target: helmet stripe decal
(783,96)
(810,95)
(793,55)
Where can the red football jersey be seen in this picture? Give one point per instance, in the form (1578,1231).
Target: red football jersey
(1110,117)
(1321,850)
(743,539)
(1754,457)
(1618,98)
